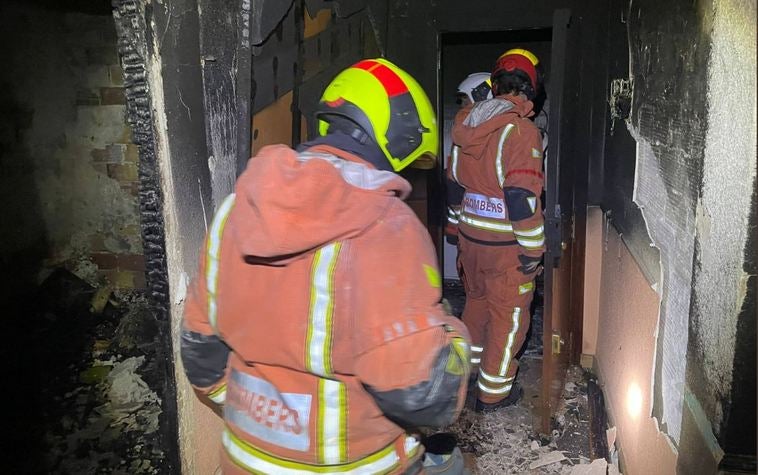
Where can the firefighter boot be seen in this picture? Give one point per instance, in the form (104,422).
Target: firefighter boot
(513,397)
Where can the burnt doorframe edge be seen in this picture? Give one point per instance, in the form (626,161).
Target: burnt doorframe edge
(131,29)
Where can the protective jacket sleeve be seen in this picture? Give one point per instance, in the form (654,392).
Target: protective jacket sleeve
(414,358)
(204,354)
(454,196)
(522,187)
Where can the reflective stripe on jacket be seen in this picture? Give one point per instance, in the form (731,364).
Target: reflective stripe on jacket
(498,148)
(324,286)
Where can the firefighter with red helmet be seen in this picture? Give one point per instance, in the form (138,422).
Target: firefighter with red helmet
(497,159)
(315,318)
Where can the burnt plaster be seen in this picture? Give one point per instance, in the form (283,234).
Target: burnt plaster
(669,47)
(724,260)
(694,204)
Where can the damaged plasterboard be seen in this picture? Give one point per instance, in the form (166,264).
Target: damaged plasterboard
(695,169)
(674,237)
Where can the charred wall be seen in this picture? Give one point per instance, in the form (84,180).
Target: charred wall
(207,82)
(667,202)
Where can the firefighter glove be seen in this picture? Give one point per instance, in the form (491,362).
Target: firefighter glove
(529,264)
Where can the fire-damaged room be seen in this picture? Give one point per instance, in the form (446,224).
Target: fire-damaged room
(379,236)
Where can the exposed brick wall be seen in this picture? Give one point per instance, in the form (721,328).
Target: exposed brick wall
(102,86)
(69,165)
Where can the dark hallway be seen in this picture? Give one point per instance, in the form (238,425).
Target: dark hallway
(126,125)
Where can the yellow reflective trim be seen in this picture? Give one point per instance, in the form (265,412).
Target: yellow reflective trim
(218,395)
(343,422)
(536,153)
(332,424)
(499,158)
(432,276)
(320,416)
(525,288)
(457,361)
(213,254)
(454,164)
(504,390)
(530,243)
(535,231)
(539,238)
(489,225)
(319,336)
(493,379)
(257,461)
(515,320)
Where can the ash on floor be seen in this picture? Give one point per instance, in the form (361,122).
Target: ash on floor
(507,441)
(98,372)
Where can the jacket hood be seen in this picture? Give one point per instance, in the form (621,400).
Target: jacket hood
(476,122)
(289,204)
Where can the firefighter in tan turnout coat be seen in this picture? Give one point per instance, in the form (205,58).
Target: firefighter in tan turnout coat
(315,317)
(497,159)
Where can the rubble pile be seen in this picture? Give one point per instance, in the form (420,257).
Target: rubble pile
(507,441)
(101,405)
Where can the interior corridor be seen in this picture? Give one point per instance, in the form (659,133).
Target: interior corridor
(126,123)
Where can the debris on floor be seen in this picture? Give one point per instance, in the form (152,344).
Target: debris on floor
(100,404)
(507,441)
(597,467)
(548,459)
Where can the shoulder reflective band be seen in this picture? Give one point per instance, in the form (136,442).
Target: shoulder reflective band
(257,461)
(214,254)
(454,163)
(499,159)
(318,358)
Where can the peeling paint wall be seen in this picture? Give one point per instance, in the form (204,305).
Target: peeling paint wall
(693,136)
(626,338)
(669,48)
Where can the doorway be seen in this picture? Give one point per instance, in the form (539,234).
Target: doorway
(463,53)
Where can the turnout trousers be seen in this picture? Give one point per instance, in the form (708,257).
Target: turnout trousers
(498,297)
